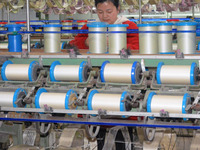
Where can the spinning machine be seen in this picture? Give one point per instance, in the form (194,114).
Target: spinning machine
(106,97)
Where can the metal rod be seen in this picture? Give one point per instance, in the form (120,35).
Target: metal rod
(28,26)
(155,57)
(109,113)
(107,122)
(2,14)
(8,13)
(193,11)
(140,12)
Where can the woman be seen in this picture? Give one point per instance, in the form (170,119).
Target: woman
(107,11)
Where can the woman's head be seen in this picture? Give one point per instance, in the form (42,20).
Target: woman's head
(107,10)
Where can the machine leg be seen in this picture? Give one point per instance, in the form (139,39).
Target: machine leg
(110,140)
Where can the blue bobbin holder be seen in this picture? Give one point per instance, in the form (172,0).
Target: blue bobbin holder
(16,95)
(133,72)
(37,97)
(89,102)
(68,94)
(81,71)
(14,40)
(102,70)
(3,70)
(51,72)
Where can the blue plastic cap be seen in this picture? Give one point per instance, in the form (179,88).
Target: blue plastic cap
(14,25)
(184,103)
(36,26)
(133,72)
(68,94)
(186,97)
(30,70)
(147,25)
(158,72)
(51,72)
(149,99)
(165,24)
(167,53)
(3,69)
(97,25)
(192,75)
(36,45)
(197,20)
(16,94)
(102,70)
(37,97)
(89,102)
(117,25)
(122,102)
(63,44)
(80,72)
(51,25)
(186,24)
(198,47)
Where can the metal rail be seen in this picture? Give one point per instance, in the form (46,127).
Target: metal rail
(95,112)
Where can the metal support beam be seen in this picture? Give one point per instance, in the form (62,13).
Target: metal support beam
(28,25)
(2,14)
(8,14)
(95,112)
(140,12)
(15,130)
(193,11)
(110,141)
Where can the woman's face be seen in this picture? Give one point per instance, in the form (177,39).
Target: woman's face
(107,12)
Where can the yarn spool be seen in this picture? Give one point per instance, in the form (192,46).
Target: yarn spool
(55,100)
(19,72)
(8,99)
(121,73)
(186,40)
(77,73)
(106,101)
(148,38)
(177,74)
(67,25)
(52,40)
(168,103)
(81,23)
(97,41)
(117,41)
(165,39)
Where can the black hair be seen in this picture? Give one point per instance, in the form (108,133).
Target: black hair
(115,2)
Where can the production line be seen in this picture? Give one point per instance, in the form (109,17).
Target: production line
(38,88)
(56,96)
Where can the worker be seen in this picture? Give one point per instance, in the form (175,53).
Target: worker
(107,11)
